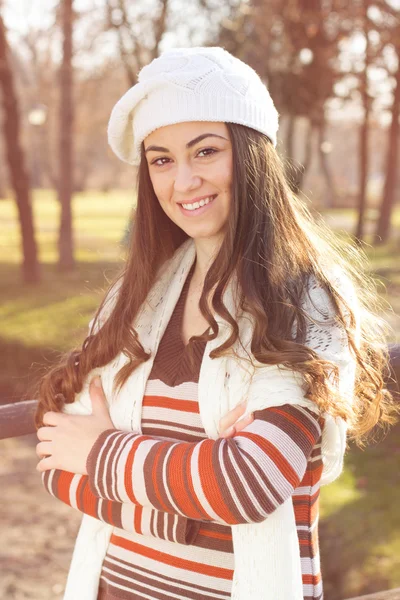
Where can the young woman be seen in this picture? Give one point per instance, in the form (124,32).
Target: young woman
(232,302)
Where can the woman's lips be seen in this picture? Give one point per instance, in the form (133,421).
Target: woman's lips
(197,211)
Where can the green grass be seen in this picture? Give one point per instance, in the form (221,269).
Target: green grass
(360,528)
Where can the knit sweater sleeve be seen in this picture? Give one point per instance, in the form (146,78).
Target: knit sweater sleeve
(74,490)
(237,480)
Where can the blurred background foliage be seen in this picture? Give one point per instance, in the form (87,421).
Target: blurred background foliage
(333,68)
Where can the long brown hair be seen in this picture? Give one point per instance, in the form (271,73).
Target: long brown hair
(274,246)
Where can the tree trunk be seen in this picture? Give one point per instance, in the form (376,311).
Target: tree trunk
(392,165)
(307,154)
(291,169)
(323,161)
(65,188)
(364,134)
(16,162)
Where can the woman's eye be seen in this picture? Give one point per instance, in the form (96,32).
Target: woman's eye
(207,151)
(157,162)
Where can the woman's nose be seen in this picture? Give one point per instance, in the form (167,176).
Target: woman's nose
(186,179)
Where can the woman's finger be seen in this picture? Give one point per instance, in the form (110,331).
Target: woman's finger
(43,449)
(232,416)
(242,423)
(45,464)
(45,434)
(53,418)
(238,426)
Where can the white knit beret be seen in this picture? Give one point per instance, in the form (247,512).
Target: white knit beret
(190,84)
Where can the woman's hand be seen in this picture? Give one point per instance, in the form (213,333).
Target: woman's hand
(229,424)
(67,440)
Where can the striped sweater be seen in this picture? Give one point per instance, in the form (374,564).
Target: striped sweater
(172,535)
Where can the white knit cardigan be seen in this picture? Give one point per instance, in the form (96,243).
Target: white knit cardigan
(267,558)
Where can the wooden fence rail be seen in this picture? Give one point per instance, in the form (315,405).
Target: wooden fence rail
(388,595)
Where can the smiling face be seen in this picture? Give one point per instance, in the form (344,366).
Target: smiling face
(190,167)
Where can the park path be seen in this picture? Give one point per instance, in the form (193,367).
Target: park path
(37,531)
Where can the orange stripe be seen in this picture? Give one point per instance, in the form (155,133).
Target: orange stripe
(210,484)
(174,561)
(311,476)
(89,501)
(109,513)
(63,486)
(154,474)
(312,579)
(176,483)
(138,519)
(214,534)
(298,423)
(188,406)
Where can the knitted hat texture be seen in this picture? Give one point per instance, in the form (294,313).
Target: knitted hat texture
(190,84)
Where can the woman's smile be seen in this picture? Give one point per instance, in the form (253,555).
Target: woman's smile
(197,208)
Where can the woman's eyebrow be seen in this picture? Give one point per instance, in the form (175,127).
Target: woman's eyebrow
(188,145)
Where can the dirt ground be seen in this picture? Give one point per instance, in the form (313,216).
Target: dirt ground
(37,531)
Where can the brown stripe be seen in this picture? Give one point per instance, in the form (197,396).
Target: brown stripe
(102,443)
(148,468)
(120,442)
(54,483)
(170,526)
(295,432)
(266,482)
(116,514)
(239,473)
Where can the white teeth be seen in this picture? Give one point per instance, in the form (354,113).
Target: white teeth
(195,205)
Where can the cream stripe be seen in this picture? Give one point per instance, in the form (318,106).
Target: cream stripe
(170,415)
(127,517)
(50,482)
(167,520)
(184,391)
(311,566)
(174,528)
(300,491)
(138,475)
(73,489)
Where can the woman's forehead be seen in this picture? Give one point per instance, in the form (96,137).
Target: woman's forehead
(182,133)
